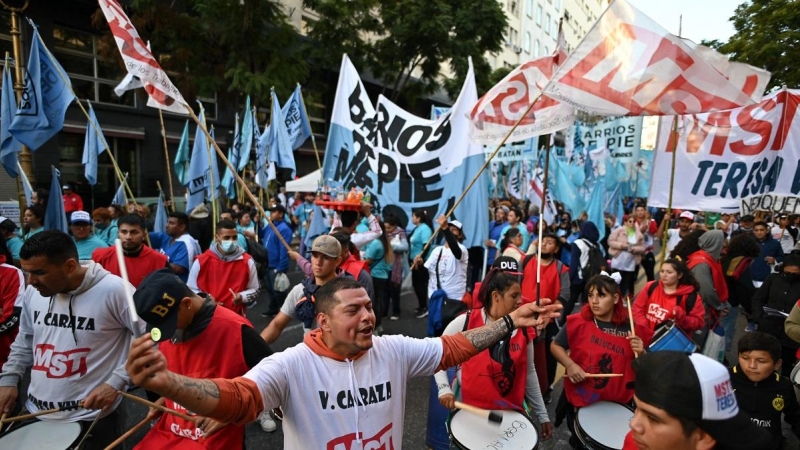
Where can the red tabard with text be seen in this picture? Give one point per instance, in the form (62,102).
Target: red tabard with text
(215,353)
(490,384)
(219,278)
(596,351)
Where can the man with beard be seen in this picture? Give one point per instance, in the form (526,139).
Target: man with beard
(225,271)
(685,226)
(140,259)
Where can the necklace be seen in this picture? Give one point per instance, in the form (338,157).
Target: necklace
(614,332)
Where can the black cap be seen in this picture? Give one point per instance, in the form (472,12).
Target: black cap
(278,208)
(157,301)
(506,264)
(747,218)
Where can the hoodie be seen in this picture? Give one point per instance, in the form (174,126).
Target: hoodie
(707,270)
(769,247)
(72,342)
(578,257)
(659,307)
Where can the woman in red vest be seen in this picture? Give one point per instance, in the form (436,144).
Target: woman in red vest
(502,376)
(600,341)
(673,297)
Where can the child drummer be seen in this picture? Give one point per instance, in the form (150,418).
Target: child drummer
(600,341)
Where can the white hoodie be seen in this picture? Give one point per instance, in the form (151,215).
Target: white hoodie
(72,342)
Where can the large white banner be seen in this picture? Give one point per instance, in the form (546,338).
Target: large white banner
(409,163)
(723,157)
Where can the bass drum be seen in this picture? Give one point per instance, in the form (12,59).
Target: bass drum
(471,432)
(41,435)
(603,425)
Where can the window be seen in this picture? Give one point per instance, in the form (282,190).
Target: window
(70,151)
(555,29)
(513,7)
(93,77)
(546,51)
(526,43)
(547,25)
(209,104)
(558,5)
(514,37)
(529,8)
(539,15)
(536,49)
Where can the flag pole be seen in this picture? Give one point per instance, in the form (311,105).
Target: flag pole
(480,172)
(211,182)
(239,180)
(313,140)
(166,157)
(541,222)
(21,198)
(674,150)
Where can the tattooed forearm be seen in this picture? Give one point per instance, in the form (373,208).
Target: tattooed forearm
(200,396)
(487,335)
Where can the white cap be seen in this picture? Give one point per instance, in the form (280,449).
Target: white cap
(456,224)
(80,216)
(687,215)
(719,401)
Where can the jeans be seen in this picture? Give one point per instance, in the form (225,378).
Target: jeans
(276,298)
(728,323)
(392,299)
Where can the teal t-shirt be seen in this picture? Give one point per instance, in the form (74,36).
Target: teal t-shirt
(14,244)
(379,268)
(87,246)
(419,237)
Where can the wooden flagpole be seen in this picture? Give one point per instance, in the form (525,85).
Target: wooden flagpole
(166,157)
(674,149)
(313,140)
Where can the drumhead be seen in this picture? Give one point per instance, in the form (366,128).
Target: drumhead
(42,435)
(603,423)
(516,432)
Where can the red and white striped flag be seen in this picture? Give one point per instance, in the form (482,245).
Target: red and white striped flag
(139,61)
(628,65)
(499,109)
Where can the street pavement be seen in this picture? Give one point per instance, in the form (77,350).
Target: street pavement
(417,397)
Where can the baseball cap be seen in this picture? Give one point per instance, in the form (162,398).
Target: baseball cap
(199,212)
(157,301)
(65,187)
(698,388)
(80,216)
(687,215)
(7,223)
(327,245)
(506,264)
(747,218)
(456,224)
(278,208)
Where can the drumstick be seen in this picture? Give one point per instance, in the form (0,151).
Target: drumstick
(128,433)
(123,270)
(2,418)
(29,416)
(493,416)
(603,375)
(157,406)
(633,328)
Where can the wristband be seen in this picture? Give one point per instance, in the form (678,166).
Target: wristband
(509,323)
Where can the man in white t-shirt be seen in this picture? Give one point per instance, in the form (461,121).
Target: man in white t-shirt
(781,233)
(447,265)
(342,387)
(686,224)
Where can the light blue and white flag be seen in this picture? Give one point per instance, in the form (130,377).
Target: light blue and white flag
(279,148)
(160,222)
(120,198)
(294,114)
(249,132)
(414,163)
(93,145)
(198,168)
(26,185)
(54,217)
(9,146)
(47,95)
(182,157)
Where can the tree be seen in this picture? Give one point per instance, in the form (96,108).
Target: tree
(212,46)
(767,35)
(405,43)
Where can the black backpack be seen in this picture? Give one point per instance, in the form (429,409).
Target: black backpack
(595,264)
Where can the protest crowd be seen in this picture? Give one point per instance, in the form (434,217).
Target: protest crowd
(561,296)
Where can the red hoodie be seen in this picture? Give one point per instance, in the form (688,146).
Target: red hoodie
(659,307)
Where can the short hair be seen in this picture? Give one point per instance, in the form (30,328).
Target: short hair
(325,296)
(37,211)
(342,237)
(552,236)
(687,425)
(228,211)
(101,214)
(226,224)
(391,219)
(761,223)
(517,212)
(54,245)
(760,341)
(349,218)
(132,219)
(183,219)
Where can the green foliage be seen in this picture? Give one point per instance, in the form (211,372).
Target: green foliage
(767,35)
(405,43)
(221,46)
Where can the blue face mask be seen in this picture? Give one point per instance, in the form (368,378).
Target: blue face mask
(228,246)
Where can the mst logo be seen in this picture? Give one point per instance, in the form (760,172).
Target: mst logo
(59,364)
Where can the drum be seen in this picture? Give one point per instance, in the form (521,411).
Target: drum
(471,432)
(42,435)
(603,425)
(795,376)
(670,337)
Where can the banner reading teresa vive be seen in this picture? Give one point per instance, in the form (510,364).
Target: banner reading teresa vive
(725,156)
(408,162)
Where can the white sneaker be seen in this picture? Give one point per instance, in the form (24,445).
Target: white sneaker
(267,424)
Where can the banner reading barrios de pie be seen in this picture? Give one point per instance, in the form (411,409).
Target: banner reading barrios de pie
(727,158)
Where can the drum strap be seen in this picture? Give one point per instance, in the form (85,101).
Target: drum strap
(690,299)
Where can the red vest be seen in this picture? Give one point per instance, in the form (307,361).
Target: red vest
(598,352)
(717,274)
(219,278)
(215,353)
(551,280)
(485,383)
(353,266)
(138,267)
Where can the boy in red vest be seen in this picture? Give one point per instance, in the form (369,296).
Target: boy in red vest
(198,338)
(140,259)
(225,271)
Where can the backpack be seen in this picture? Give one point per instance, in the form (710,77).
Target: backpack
(595,263)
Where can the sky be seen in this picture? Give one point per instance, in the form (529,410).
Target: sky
(702,19)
